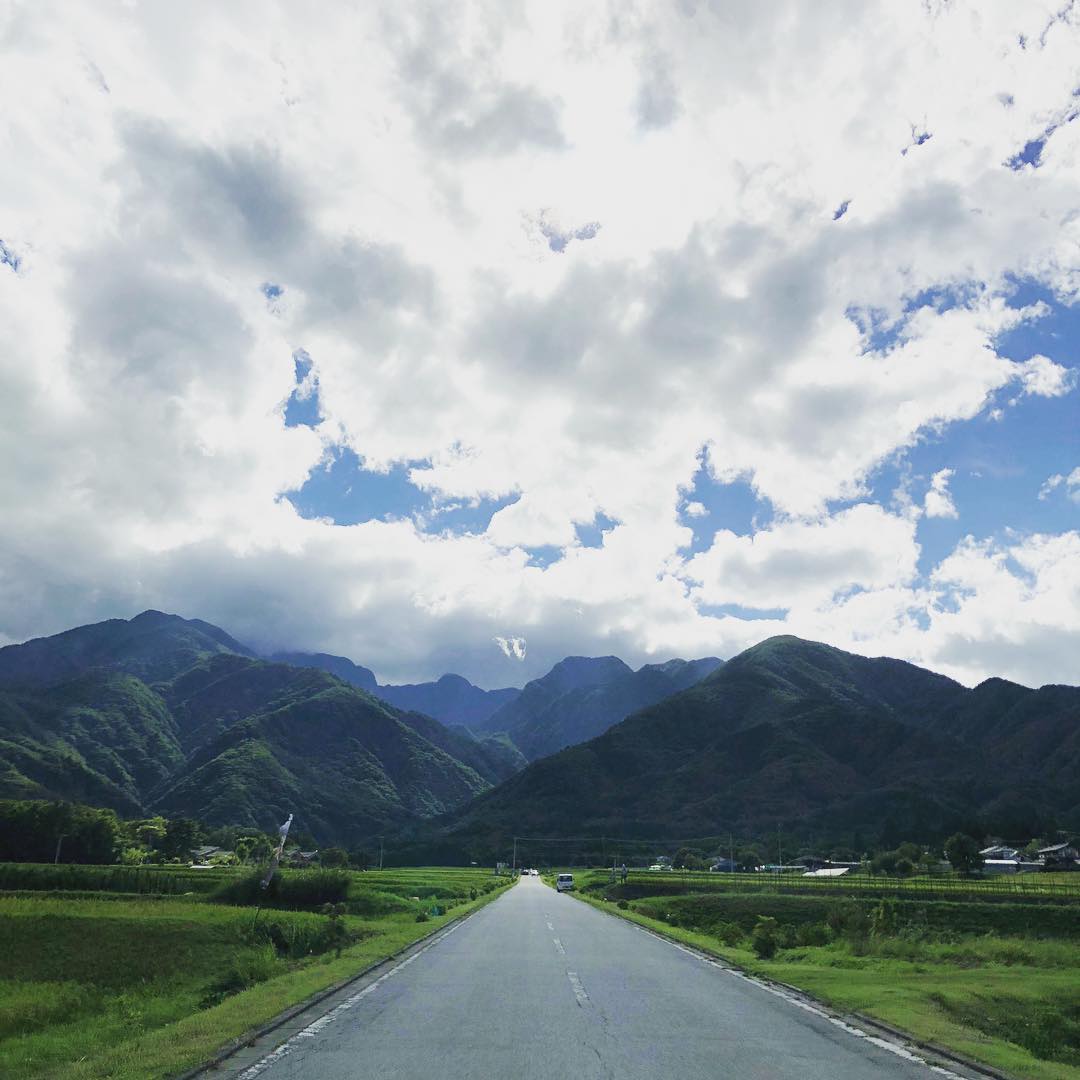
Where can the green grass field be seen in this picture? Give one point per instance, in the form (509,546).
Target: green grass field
(126,985)
(997,981)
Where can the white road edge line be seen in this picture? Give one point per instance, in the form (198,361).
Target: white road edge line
(316,1026)
(884,1044)
(579,990)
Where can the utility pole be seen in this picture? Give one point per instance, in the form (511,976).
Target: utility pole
(59,841)
(731,852)
(513,865)
(380,852)
(779,851)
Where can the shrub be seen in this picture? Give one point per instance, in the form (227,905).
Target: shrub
(728,933)
(422,916)
(813,934)
(622,905)
(763,939)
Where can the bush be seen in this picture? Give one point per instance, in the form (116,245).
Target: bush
(422,916)
(763,939)
(622,905)
(813,934)
(729,933)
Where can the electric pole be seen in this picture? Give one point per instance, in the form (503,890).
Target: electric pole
(380,852)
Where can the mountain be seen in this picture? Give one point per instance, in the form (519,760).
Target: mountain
(451,699)
(795,733)
(540,722)
(163,714)
(341,666)
(573,673)
(151,646)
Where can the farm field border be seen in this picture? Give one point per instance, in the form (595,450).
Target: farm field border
(870,1001)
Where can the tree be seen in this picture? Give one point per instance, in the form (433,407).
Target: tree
(963,852)
(333,857)
(360,859)
(181,835)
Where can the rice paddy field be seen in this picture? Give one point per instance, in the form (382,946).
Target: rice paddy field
(135,973)
(992,973)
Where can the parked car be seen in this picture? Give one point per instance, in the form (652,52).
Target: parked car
(564,883)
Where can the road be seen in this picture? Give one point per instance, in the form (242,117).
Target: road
(538,984)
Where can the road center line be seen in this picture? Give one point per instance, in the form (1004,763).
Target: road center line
(559,946)
(579,990)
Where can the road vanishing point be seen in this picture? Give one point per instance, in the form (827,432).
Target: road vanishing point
(540,985)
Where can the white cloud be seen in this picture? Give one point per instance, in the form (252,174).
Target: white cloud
(1071,483)
(377,166)
(939,501)
(513,647)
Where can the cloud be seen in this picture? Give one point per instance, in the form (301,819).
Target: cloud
(939,501)
(513,647)
(1071,483)
(252,187)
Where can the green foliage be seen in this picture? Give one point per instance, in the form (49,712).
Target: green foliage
(763,939)
(119,879)
(333,857)
(963,852)
(287,889)
(30,831)
(884,919)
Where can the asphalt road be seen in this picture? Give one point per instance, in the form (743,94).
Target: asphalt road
(541,985)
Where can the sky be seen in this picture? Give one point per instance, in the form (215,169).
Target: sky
(465,339)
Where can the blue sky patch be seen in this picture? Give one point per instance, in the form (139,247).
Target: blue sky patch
(303,407)
(733,506)
(1002,457)
(738,611)
(592,534)
(9,258)
(341,490)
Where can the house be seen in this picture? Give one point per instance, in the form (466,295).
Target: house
(298,858)
(828,871)
(205,853)
(725,866)
(1060,856)
(999,852)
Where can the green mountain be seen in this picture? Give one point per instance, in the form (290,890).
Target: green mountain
(163,714)
(796,734)
(557,711)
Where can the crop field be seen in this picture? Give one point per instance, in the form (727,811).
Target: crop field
(122,975)
(992,975)
(1050,886)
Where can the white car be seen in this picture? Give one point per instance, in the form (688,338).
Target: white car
(564,883)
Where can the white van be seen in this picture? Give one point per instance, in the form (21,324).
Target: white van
(564,883)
